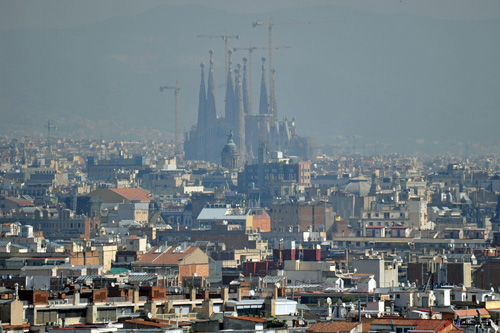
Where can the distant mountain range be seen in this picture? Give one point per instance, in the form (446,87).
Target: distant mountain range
(401,80)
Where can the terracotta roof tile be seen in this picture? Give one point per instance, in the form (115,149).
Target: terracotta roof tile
(471,312)
(254,319)
(20,202)
(165,258)
(418,324)
(333,326)
(133,194)
(142,322)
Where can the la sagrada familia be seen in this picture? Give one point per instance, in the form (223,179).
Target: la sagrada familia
(252,131)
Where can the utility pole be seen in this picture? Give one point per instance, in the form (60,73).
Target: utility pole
(177,88)
(270,24)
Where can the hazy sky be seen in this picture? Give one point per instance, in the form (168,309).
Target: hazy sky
(420,69)
(70,13)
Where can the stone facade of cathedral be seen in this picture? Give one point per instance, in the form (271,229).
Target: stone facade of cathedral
(206,139)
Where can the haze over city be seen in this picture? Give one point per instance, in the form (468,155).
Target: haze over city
(395,76)
(249,166)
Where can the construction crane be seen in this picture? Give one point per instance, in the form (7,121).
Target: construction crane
(270,24)
(250,51)
(225,38)
(177,88)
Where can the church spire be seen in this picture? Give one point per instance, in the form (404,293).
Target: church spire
(263,105)
(208,139)
(273,109)
(211,109)
(246,100)
(230,102)
(202,118)
(240,115)
(202,101)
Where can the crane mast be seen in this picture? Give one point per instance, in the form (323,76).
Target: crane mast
(225,38)
(177,135)
(250,52)
(270,24)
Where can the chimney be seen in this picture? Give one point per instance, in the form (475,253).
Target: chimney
(359,310)
(136,299)
(238,293)
(76,298)
(192,294)
(207,308)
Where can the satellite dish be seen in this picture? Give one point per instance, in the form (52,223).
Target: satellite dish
(252,292)
(150,316)
(492,289)
(477,301)
(66,289)
(402,284)
(329,300)
(113,284)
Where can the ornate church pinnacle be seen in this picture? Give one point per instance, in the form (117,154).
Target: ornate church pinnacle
(264,104)
(230,103)
(202,101)
(246,97)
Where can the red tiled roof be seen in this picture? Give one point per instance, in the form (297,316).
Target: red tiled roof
(425,310)
(418,324)
(133,194)
(432,325)
(167,257)
(471,312)
(149,323)
(254,319)
(20,202)
(333,326)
